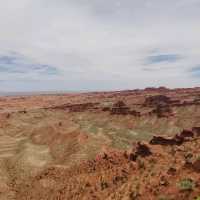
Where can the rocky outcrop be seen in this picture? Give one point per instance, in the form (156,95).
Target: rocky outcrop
(160,140)
(186,134)
(135,113)
(77,107)
(105,109)
(139,150)
(163,111)
(156,100)
(197,99)
(120,108)
(185,103)
(196,165)
(82,107)
(196,131)
(178,139)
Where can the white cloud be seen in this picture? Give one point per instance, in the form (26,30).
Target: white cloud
(102,44)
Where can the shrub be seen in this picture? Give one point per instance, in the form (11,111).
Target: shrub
(186,184)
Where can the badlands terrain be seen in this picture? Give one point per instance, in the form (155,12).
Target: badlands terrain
(133,144)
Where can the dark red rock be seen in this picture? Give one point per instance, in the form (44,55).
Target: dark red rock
(196,131)
(196,165)
(8,115)
(159,140)
(132,157)
(135,113)
(142,150)
(187,134)
(77,107)
(105,109)
(157,100)
(119,104)
(163,111)
(178,139)
(171,171)
(119,108)
(82,107)
(139,150)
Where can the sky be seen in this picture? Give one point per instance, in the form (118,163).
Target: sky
(98,44)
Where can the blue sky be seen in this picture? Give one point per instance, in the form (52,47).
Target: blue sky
(98,44)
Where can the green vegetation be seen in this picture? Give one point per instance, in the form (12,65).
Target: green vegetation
(186,185)
(198,198)
(198,158)
(164,198)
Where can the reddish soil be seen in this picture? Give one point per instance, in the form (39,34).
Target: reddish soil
(134,144)
(156,172)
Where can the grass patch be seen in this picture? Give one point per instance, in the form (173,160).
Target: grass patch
(186,185)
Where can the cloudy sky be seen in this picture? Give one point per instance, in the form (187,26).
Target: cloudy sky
(98,44)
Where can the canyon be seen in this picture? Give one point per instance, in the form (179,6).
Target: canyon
(132,144)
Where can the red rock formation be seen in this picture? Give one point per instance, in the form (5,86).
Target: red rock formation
(157,100)
(187,134)
(142,149)
(178,139)
(82,107)
(119,108)
(139,150)
(163,111)
(196,131)
(77,107)
(160,140)
(197,99)
(135,113)
(196,165)
(105,109)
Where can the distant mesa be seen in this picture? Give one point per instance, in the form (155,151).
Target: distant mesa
(159,89)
